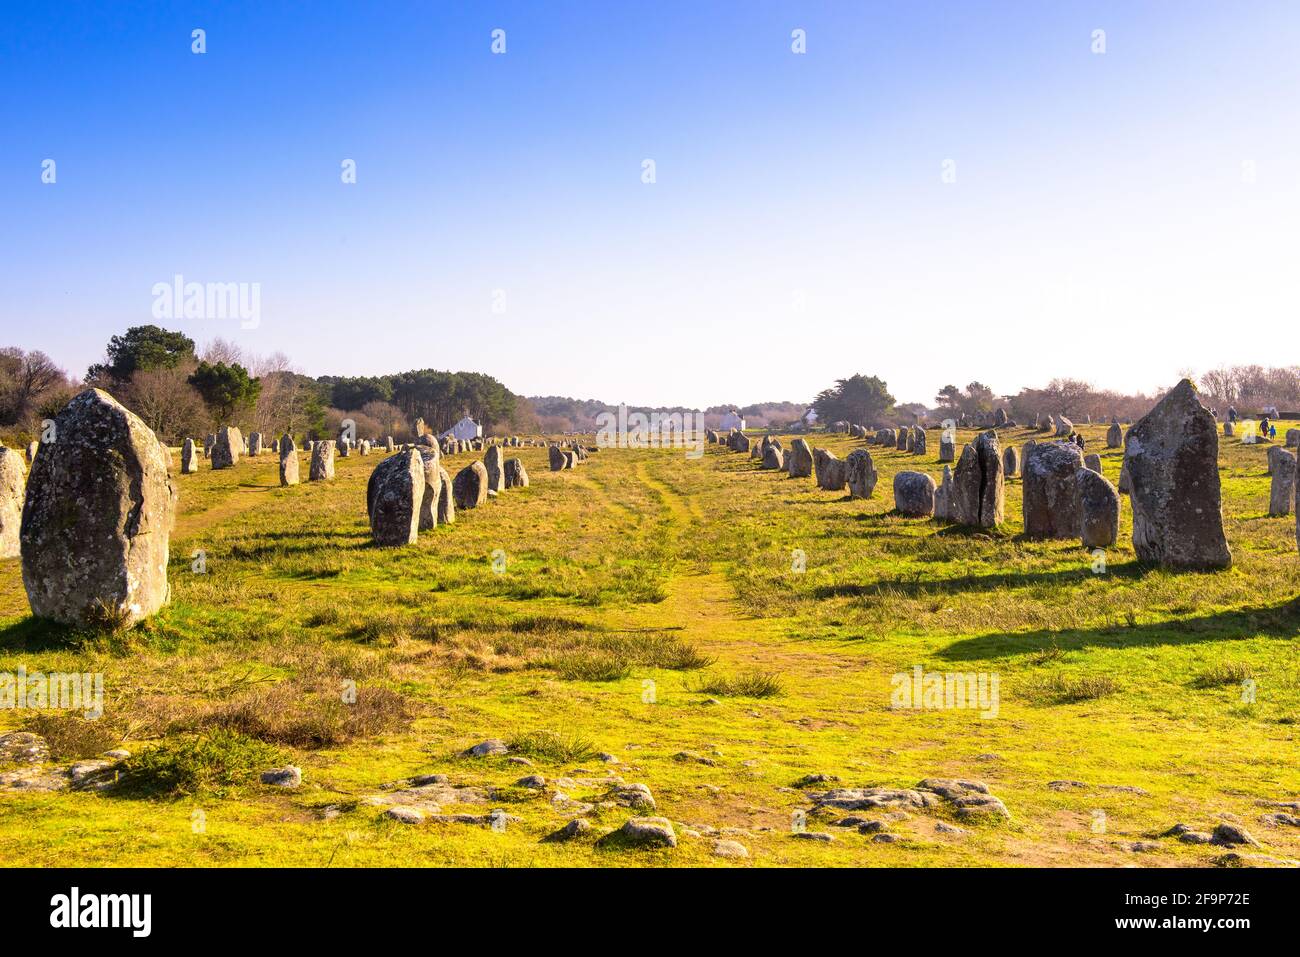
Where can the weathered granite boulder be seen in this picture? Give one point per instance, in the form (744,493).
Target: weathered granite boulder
(914,494)
(1282,486)
(977,493)
(1172,459)
(189,457)
(394,495)
(254,443)
(288,460)
(1011,461)
(947,447)
(97,518)
(918,441)
(322,461)
(1098,509)
(226,451)
(830,471)
(943,496)
(431,462)
(1050,503)
(13,487)
(773,458)
(446,500)
(900,439)
(860,474)
(470,487)
(1114,436)
(1063,426)
(1092,461)
(494,461)
(516,474)
(799,460)
(559,461)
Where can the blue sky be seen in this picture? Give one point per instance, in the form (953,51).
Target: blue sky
(1119,217)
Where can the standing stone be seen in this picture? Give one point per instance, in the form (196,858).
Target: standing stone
(431,462)
(559,461)
(225,453)
(470,487)
(831,476)
(1274,454)
(943,496)
(322,461)
(947,447)
(978,496)
(1293,438)
(1172,457)
(1227,429)
(446,501)
(13,483)
(1011,462)
(571,460)
(1000,419)
(494,462)
(800,459)
(774,458)
(516,474)
(918,441)
(288,460)
(1282,488)
(189,457)
(1098,509)
(393,499)
(1050,504)
(255,443)
(914,494)
(1114,436)
(389,445)
(963,498)
(209,444)
(1092,461)
(860,474)
(98,517)
(900,440)
(363,447)
(1064,426)
(1125,486)
(344,447)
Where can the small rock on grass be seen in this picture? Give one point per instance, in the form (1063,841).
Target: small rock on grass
(871,827)
(534,781)
(23,747)
(818,836)
(644,832)
(732,849)
(943,827)
(404,814)
(810,779)
(885,838)
(1227,834)
(483,749)
(578,827)
(285,777)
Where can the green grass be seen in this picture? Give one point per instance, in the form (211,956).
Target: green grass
(633,585)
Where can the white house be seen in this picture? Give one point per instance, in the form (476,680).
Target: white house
(731,420)
(810,417)
(464,430)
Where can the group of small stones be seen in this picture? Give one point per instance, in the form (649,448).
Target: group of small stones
(90,513)
(1170,473)
(26,756)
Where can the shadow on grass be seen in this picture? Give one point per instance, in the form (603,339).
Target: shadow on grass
(1280,621)
(918,587)
(34,634)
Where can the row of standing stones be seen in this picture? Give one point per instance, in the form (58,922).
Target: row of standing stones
(1170,473)
(92,520)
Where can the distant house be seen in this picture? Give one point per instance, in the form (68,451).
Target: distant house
(464,430)
(810,418)
(731,420)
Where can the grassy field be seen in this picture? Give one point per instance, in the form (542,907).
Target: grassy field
(651,608)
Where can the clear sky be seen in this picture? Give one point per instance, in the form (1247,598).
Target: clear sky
(1116,216)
